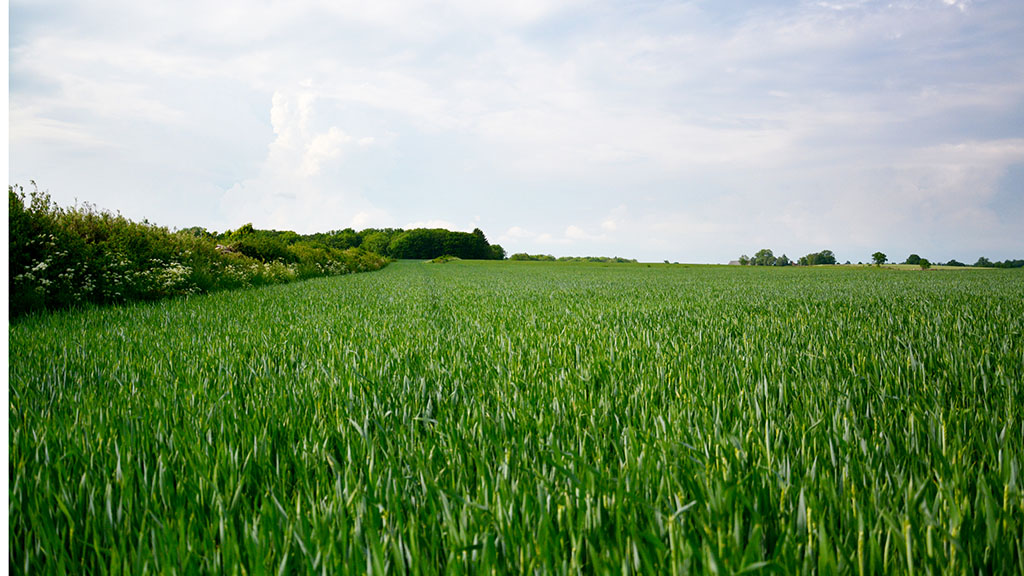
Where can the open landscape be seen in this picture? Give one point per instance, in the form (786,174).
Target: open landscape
(524,417)
(535,288)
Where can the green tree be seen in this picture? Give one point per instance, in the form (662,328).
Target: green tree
(419,244)
(196,232)
(479,247)
(983,263)
(913,259)
(342,239)
(376,242)
(817,258)
(744,260)
(764,257)
(245,230)
(879,258)
(924,263)
(428,243)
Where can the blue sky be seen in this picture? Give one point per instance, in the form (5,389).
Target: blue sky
(687,131)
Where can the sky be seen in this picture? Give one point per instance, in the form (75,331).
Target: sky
(689,131)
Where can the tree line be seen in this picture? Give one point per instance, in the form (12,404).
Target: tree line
(65,257)
(981,262)
(765,257)
(396,243)
(524,257)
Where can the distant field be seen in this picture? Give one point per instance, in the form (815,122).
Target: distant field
(529,417)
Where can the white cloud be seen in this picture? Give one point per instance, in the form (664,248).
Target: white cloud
(29,124)
(323,147)
(961,4)
(573,232)
(516,233)
(291,191)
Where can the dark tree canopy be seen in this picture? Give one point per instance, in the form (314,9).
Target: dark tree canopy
(816,258)
(417,243)
(764,257)
(428,243)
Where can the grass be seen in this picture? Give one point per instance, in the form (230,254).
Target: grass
(518,417)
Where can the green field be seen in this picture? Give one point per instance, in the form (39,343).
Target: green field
(514,417)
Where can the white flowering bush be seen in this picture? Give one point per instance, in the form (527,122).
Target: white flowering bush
(63,257)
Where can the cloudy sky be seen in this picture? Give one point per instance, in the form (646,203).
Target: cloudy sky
(691,131)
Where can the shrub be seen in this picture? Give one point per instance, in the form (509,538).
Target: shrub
(66,257)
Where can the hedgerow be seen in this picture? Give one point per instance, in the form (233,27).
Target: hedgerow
(64,257)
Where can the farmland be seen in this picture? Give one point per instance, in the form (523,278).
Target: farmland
(529,417)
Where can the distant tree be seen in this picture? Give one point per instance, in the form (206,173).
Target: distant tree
(465,246)
(924,263)
(419,244)
(342,239)
(983,263)
(592,259)
(764,257)
(879,258)
(427,243)
(1009,264)
(744,260)
(955,262)
(783,261)
(524,257)
(245,230)
(913,259)
(376,242)
(817,258)
(478,246)
(196,232)
(497,252)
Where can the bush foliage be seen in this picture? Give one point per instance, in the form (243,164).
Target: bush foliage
(524,257)
(63,257)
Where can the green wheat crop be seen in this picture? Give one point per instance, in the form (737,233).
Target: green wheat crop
(519,417)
